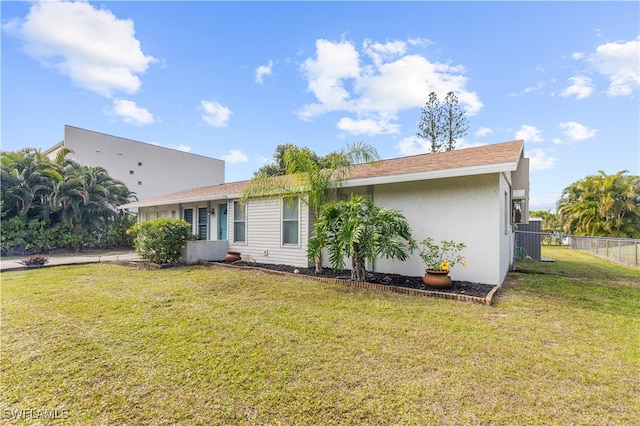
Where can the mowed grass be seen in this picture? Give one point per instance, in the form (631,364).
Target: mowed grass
(213,346)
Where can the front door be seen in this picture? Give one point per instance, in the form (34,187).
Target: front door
(222,221)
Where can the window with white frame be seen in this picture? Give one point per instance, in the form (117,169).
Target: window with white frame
(239,223)
(290,221)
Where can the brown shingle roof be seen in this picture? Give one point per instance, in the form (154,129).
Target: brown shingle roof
(203,191)
(496,154)
(506,152)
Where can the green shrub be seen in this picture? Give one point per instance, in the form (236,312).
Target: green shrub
(43,236)
(115,235)
(13,236)
(21,236)
(161,240)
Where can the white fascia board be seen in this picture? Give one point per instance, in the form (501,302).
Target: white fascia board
(376,180)
(435,174)
(179,201)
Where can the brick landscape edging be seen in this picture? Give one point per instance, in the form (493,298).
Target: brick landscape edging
(357,284)
(371,286)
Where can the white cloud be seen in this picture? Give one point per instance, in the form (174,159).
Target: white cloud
(529,134)
(261,159)
(539,160)
(372,89)
(581,87)
(546,201)
(130,113)
(419,41)
(334,62)
(483,131)
(538,86)
(367,126)
(576,131)
(98,51)
(413,145)
(530,89)
(620,63)
(181,147)
(215,114)
(381,52)
(263,71)
(235,156)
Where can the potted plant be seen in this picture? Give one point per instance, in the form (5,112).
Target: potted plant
(439,259)
(232,256)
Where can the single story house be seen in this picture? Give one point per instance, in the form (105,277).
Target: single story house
(473,195)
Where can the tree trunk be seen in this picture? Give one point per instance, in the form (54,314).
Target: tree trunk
(319,264)
(358,270)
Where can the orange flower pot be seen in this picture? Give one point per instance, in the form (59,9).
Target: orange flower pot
(437,279)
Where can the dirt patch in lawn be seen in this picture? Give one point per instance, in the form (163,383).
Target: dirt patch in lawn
(461,288)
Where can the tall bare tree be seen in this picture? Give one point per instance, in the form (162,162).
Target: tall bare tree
(430,123)
(442,124)
(455,124)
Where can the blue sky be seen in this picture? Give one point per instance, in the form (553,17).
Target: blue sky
(232,80)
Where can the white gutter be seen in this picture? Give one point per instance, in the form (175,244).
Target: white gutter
(152,203)
(435,174)
(376,180)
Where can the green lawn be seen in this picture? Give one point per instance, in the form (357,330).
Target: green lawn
(106,344)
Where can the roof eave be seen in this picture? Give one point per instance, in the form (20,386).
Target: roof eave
(53,148)
(152,203)
(433,174)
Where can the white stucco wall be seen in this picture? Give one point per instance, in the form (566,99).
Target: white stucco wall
(463,209)
(156,170)
(506,227)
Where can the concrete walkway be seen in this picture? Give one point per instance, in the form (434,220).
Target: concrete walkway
(12,263)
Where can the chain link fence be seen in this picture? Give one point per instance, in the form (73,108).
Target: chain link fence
(530,244)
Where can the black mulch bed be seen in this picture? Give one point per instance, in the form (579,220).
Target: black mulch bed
(459,287)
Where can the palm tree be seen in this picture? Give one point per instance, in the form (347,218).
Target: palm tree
(308,179)
(27,181)
(362,231)
(602,205)
(550,221)
(87,199)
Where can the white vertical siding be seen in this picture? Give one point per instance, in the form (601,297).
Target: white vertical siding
(264,235)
